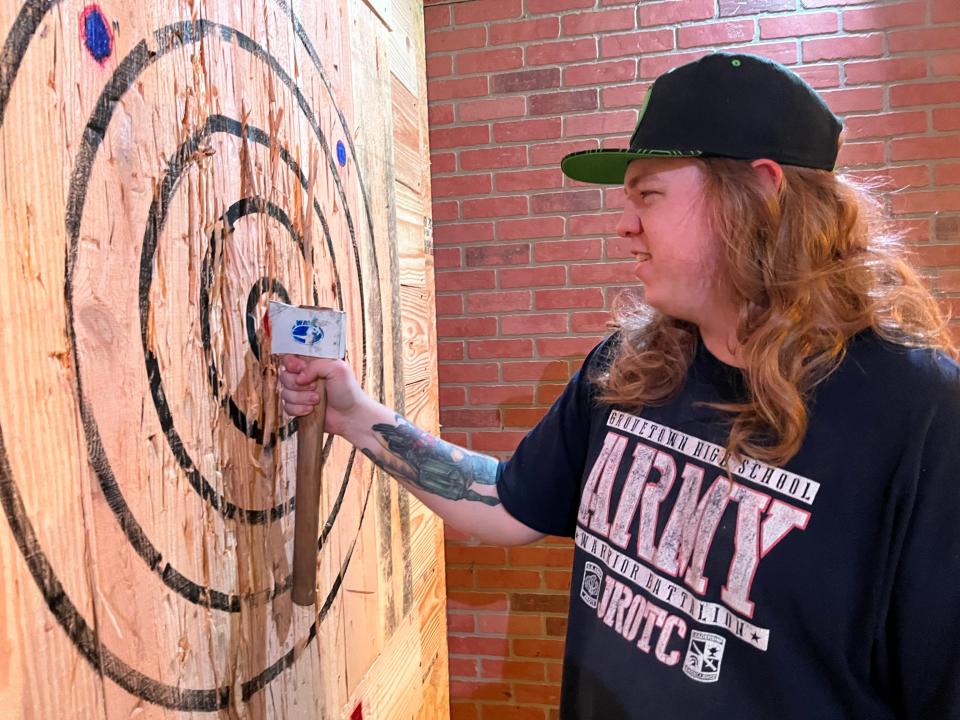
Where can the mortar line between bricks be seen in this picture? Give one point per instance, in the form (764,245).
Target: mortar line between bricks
(448,2)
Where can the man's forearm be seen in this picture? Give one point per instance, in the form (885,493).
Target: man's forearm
(457,484)
(436,466)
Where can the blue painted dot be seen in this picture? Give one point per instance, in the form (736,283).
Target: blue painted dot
(341,153)
(96,33)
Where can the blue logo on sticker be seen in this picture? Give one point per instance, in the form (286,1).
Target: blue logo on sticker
(306,333)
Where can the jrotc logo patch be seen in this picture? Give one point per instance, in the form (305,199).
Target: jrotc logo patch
(590,587)
(703,656)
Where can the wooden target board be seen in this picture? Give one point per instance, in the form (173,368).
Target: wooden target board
(165,170)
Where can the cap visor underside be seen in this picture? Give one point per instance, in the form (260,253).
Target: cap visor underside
(608,167)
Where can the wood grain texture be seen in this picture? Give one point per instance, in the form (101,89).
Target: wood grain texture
(165,169)
(418,310)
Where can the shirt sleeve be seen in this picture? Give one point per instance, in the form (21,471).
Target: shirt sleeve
(540,484)
(923,627)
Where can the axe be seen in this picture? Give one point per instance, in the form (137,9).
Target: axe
(310,332)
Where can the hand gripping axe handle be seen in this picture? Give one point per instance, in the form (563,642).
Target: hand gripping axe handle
(310,332)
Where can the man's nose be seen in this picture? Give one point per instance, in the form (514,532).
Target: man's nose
(629,223)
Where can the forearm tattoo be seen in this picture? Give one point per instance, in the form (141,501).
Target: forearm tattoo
(435,465)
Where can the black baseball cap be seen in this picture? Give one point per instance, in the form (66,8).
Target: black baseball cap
(722,105)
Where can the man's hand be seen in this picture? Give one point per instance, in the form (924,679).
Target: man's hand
(298,379)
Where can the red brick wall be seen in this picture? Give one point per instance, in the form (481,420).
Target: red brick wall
(527,263)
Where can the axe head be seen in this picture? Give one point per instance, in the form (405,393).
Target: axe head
(310,331)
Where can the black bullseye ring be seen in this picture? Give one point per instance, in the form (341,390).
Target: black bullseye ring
(264,286)
(101,658)
(269,286)
(155,224)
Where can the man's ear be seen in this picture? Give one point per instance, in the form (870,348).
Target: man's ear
(770,172)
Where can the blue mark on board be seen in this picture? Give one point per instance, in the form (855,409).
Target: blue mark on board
(306,333)
(96,33)
(341,153)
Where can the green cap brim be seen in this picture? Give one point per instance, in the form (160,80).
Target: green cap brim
(608,167)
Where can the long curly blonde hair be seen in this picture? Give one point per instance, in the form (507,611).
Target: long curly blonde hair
(810,268)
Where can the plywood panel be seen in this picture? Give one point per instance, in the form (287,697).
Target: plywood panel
(165,169)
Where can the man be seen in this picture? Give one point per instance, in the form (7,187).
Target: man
(758,466)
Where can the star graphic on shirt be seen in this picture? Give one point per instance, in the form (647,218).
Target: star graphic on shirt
(755,637)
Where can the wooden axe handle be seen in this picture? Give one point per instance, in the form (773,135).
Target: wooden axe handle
(307,518)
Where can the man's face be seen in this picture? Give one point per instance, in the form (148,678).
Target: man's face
(665,218)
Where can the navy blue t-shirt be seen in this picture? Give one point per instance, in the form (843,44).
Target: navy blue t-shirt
(828,589)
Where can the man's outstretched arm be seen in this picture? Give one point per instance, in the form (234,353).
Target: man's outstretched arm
(457,484)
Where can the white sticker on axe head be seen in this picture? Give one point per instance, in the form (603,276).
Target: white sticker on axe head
(317,332)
